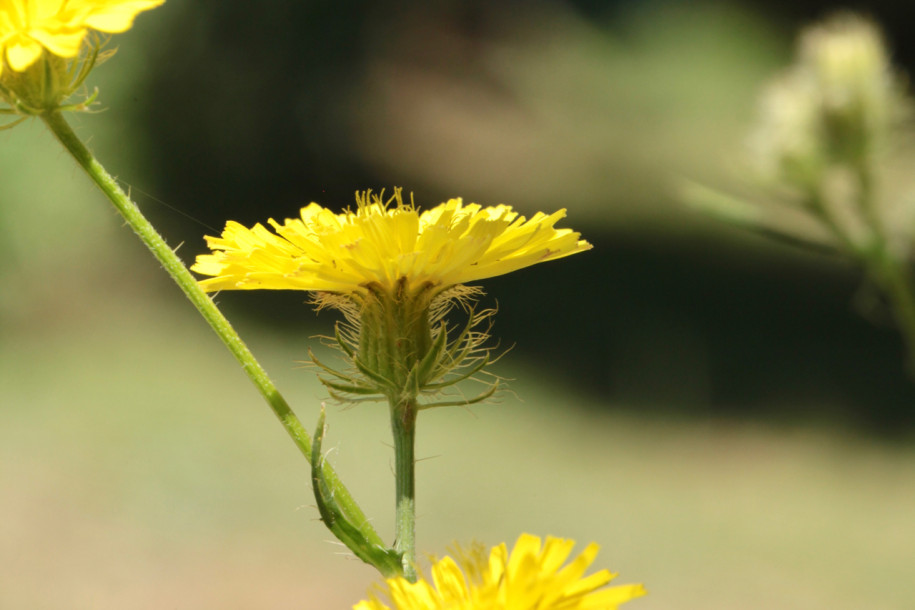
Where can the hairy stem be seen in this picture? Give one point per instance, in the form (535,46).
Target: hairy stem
(214,317)
(403,426)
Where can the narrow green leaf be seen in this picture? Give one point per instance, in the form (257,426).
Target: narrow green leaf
(374,376)
(385,560)
(476,368)
(425,367)
(344,345)
(348,388)
(462,403)
(327,369)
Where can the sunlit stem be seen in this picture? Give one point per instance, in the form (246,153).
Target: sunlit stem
(179,272)
(394,339)
(403,425)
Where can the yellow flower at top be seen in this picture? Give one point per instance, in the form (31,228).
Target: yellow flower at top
(28,27)
(383,246)
(531,577)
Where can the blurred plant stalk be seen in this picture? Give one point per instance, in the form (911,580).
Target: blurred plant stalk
(829,126)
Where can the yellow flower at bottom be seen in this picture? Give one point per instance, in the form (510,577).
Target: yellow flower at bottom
(390,247)
(531,577)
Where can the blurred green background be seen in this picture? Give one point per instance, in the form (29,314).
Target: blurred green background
(727,417)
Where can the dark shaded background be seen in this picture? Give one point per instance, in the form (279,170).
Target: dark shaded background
(250,118)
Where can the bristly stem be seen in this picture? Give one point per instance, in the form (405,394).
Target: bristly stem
(204,304)
(403,426)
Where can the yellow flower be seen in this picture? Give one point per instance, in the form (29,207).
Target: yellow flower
(34,82)
(394,272)
(27,27)
(379,245)
(530,578)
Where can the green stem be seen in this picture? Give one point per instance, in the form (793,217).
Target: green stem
(403,426)
(179,272)
(884,267)
(821,211)
(893,277)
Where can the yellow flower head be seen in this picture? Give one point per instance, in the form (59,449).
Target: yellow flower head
(28,27)
(531,577)
(394,272)
(382,246)
(47,50)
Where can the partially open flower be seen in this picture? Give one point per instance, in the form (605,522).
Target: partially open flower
(394,272)
(531,577)
(48,47)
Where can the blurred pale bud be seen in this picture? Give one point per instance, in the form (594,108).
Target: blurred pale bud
(847,58)
(835,105)
(785,143)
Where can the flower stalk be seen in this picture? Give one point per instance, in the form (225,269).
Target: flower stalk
(396,344)
(203,303)
(403,427)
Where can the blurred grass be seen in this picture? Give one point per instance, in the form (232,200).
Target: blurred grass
(138,469)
